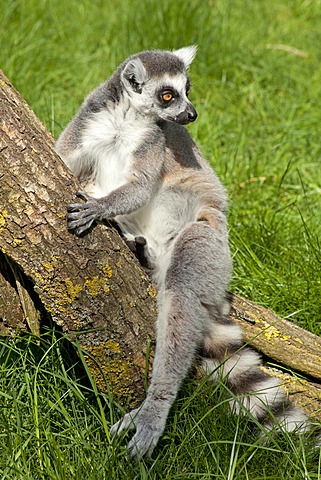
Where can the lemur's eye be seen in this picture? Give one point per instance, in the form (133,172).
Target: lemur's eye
(167,96)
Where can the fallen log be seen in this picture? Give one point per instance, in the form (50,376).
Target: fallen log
(278,339)
(93,287)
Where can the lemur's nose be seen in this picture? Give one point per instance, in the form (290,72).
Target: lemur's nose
(187,116)
(191,113)
(192,116)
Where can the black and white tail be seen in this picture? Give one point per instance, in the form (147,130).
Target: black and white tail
(224,356)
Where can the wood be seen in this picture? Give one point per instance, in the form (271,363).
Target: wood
(93,287)
(278,339)
(11,312)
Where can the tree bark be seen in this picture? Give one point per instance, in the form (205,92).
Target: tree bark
(93,287)
(278,339)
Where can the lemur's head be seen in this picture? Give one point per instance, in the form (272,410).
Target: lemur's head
(158,84)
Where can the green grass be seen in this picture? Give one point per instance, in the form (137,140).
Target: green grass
(259,126)
(54,425)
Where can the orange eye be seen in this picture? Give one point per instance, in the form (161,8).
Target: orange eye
(167,97)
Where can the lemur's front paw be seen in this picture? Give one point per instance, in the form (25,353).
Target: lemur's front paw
(148,432)
(82,215)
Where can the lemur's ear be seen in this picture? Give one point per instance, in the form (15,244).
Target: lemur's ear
(135,74)
(186,54)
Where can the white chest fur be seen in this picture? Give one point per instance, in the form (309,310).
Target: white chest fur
(108,142)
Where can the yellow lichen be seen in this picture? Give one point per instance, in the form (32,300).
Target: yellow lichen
(252,316)
(3,218)
(117,371)
(72,290)
(119,375)
(51,265)
(151,290)
(37,276)
(113,346)
(60,292)
(271,332)
(107,270)
(96,285)
(48,266)
(16,242)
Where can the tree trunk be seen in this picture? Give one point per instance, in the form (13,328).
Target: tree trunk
(93,287)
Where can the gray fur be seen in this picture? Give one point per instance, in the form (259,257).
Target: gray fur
(140,167)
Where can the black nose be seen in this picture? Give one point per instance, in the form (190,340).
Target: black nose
(189,115)
(192,116)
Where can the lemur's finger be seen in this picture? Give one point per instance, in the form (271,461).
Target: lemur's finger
(79,231)
(73,224)
(80,206)
(140,240)
(78,214)
(84,196)
(72,207)
(89,211)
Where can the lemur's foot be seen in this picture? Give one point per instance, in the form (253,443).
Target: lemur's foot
(139,248)
(149,427)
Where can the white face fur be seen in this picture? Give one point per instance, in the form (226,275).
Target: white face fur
(161,96)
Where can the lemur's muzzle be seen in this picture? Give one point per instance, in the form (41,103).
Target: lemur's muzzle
(187,116)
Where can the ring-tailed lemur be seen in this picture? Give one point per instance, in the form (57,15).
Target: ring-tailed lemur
(140,167)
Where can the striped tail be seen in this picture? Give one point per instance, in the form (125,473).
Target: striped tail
(224,356)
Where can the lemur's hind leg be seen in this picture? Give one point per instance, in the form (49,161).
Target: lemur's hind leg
(181,323)
(226,357)
(177,341)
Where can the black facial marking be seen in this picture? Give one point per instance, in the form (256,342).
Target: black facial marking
(188,87)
